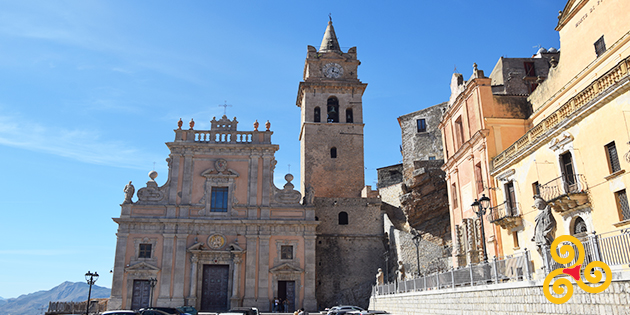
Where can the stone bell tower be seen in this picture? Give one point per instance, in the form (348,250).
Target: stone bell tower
(331,135)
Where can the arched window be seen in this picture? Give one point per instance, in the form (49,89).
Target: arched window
(333,153)
(579,226)
(349,117)
(332,109)
(317,115)
(343,218)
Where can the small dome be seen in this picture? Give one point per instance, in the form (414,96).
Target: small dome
(153,175)
(542,50)
(552,50)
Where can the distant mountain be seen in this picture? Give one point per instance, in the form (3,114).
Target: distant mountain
(37,303)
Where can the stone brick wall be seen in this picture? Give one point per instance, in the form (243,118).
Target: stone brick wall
(421,145)
(389,175)
(348,256)
(510,299)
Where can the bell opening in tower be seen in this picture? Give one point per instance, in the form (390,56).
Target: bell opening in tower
(333,110)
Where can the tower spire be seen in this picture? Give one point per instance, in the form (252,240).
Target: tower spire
(329,42)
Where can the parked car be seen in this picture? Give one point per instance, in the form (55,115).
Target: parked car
(241,311)
(163,310)
(120,312)
(151,311)
(366,312)
(188,310)
(343,309)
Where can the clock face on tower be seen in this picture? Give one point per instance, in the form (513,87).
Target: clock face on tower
(332,70)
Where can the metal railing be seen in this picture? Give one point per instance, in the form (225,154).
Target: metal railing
(565,184)
(612,248)
(515,268)
(504,210)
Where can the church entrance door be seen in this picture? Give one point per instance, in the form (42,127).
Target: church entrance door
(286,291)
(214,290)
(141,293)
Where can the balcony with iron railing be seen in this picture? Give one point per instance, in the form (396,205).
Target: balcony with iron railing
(507,215)
(566,192)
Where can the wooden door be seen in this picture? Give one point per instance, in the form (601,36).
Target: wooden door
(214,290)
(286,291)
(141,294)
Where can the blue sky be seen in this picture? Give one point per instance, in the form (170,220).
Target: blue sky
(91,90)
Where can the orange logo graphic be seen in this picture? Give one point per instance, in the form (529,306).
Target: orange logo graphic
(590,275)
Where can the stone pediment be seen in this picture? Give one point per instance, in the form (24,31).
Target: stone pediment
(142,266)
(196,246)
(286,268)
(234,247)
(212,173)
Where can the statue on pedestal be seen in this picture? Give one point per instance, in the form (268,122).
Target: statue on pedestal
(129,191)
(545,224)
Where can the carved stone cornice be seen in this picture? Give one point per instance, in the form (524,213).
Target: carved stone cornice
(611,84)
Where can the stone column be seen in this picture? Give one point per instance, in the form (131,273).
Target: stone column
(116,299)
(192,295)
(164,282)
(250,271)
(236,281)
(180,265)
(263,273)
(310,300)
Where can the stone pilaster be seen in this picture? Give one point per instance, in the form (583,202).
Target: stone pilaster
(173,176)
(187,180)
(164,298)
(236,281)
(263,273)
(310,300)
(192,295)
(266,179)
(253,180)
(180,264)
(115,300)
(250,271)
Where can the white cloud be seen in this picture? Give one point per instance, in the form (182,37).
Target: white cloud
(82,145)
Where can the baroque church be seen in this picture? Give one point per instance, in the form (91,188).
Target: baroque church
(219,234)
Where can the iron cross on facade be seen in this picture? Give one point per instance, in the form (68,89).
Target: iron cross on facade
(225,106)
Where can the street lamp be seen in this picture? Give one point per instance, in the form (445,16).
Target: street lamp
(152,283)
(90,278)
(483,203)
(386,255)
(416,241)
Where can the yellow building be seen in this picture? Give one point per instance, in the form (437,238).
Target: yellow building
(576,148)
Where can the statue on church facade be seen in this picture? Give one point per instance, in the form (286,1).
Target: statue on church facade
(309,196)
(545,224)
(129,191)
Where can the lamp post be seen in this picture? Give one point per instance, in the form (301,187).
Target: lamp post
(90,278)
(416,241)
(152,283)
(483,203)
(386,255)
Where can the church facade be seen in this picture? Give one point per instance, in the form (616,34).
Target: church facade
(219,234)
